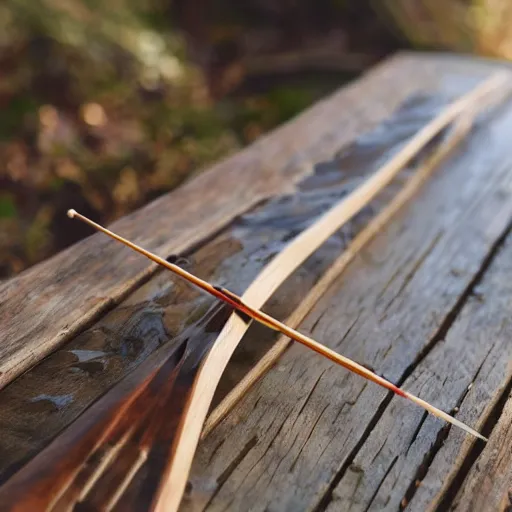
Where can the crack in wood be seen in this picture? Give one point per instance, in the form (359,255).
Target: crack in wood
(410,275)
(378,452)
(232,466)
(327,495)
(267,449)
(310,393)
(443,433)
(492,420)
(395,274)
(417,431)
(350,403)
(477,373)
(425,465)
(216,449)
(381,483)
(256,403)
(317,321)
(292,467)
(452,315)
(347,333)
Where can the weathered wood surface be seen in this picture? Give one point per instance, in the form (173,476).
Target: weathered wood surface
(41,402)
(288,260)
(428,259)
(48,304)
(489,483)
(408,458)
(306,437)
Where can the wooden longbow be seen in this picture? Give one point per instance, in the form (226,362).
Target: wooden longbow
(165,379)
(279,269)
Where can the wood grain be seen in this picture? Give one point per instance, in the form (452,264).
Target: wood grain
(109,491)
(412,186)
(410,458)
(279,269)
(488,486)
(37,405)
(147,315)
(43,401)
(49,303)
(484,330)
(290,441)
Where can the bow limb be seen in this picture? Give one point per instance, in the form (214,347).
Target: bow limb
(279,269)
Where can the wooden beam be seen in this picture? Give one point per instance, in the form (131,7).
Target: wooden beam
(152,289)
(72,378)
(390,310)
(39,313)
(280,268)
(488,486)
(412,459)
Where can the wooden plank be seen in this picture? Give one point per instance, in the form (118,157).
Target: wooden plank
(286,446)
(287,261)
(40,311)
(484,326)
(405,118)
(410,458)
(37,405)
(418,175)
(153,314)
(488,486)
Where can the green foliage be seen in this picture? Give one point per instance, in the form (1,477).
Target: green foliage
(7,206)
(102,106)
(15,115)
(288,101)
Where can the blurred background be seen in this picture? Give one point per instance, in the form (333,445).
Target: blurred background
(105,105)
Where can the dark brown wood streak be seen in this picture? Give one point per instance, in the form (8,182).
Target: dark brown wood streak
(120,454)
(139,416)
